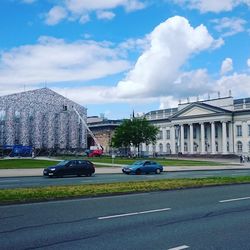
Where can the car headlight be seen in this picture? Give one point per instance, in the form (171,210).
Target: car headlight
(52,169)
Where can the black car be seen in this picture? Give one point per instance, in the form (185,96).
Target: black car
(70,167)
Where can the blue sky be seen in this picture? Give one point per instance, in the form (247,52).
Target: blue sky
(116,56)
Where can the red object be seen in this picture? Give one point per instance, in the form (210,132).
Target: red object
(95,152)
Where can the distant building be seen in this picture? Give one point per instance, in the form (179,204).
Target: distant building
(103,129)
(43,119)
(209,127)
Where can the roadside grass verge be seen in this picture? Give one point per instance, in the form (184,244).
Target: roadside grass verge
(22,195)
(164,162)
(35,163)
(25,163)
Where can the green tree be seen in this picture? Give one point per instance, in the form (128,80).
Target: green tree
(134,132)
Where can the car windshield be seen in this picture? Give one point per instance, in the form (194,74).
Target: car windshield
(61,163)
(138,163)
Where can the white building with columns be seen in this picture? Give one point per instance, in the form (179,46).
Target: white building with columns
(218,126)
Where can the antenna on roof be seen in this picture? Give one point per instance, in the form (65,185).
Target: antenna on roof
(197,99)
(230,92)
(218,94)
(208,96)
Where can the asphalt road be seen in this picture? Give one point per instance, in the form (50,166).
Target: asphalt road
(204,218)
(18,182)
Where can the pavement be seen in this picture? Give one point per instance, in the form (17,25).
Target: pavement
(116,168)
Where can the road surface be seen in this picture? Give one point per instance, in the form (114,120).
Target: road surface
(205,218)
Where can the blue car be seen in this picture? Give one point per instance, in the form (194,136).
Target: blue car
(146,167)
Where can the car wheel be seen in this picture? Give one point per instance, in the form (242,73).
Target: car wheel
(138,172)
(157,171)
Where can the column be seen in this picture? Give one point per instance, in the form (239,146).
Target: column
(182,138)
(191,135)
(245,137)
(224,138)
(172,139)
(202,139)
(231,140)
(213,138)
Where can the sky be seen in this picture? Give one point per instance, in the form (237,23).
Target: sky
(119,56)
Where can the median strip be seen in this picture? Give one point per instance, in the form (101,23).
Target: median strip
(135,213)
(22,195)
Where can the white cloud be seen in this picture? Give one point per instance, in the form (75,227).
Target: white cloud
(54,60)
(229,26)
(212,5)
(55,15)
(157,69)
(157,72)
(237,83)
(226,66)
(107,15)
(248,62)
(79,9)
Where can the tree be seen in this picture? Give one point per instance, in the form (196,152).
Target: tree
(134,132)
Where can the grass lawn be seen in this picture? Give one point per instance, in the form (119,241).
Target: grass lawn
(25,163)
(164,162)
(33,163)
(90,190)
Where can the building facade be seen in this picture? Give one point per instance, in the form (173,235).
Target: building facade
(218,126)
(42,119)
(103,129)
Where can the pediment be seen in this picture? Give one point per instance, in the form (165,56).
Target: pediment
(194,111)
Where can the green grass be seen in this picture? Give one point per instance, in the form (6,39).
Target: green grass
(33,163)
(91,190)
(25,163)
(164,162)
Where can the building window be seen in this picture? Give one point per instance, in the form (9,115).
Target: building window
(160,135)
(160,148)
(206,132)
(147,148)
(185,132)
(227,129)
(168,148)
(248,130)
(168,134)
(228,147)
(239,147)
(216,147)
(216,131)
(185,147)
(239,130)
(194,132)
(248,147)
(176,147)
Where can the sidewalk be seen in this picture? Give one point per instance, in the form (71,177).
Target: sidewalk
(117,169)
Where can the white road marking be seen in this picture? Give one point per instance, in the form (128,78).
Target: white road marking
(135,213)
(179,248)
(236,199)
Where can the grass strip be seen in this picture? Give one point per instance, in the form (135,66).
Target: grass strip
(21,195)
(25,163)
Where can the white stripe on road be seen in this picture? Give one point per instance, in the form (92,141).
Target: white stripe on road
(236,199)
(135,213)
(179,248)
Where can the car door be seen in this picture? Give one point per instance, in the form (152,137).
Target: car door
(71,168)
(146,167)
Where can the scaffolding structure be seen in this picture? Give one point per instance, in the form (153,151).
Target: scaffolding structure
(42,119)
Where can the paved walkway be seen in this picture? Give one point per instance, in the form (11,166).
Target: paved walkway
(116,168)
